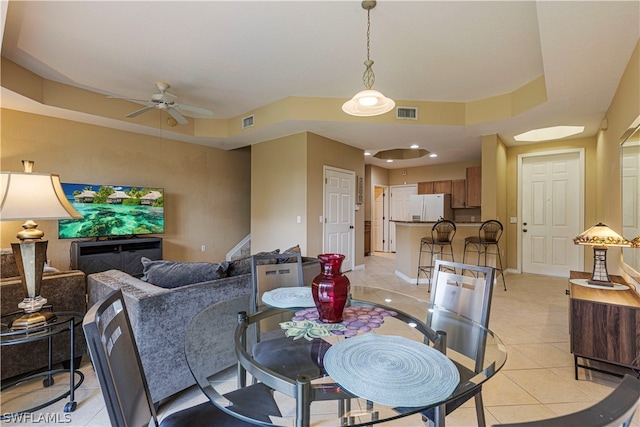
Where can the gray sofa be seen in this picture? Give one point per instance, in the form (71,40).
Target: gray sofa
(160,317)
(64,291)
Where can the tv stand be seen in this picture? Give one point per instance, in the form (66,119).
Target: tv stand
(118,254)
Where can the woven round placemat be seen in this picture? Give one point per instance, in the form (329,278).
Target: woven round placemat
(296,296)
(391,370)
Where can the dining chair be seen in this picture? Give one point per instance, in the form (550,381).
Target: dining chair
(279,354)
(120,374)
(615,410)
(440,244)
(488,238)
(469,296)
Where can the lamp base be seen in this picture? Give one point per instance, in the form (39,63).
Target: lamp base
(601,283)
(32,320)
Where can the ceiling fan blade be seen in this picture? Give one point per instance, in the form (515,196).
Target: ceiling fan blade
(142,110)
(197,110)
(176,115)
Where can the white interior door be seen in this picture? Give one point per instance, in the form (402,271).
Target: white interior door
(631,201)
(377,225)
(552,201)
(399,209)
(339,214)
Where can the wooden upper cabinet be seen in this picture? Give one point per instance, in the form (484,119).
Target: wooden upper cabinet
(434,187)
(442,187)
(458,193)
(425,187)
(474,187)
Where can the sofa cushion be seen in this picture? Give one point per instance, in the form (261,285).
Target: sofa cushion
(243,265)
(172,274)
(8,267)
(292,250)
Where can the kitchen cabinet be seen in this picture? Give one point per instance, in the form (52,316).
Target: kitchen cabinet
(474,187)
(459,193)
(435,187)
(425,187)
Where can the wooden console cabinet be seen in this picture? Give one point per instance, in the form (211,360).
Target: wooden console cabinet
(121,254)
(604,324)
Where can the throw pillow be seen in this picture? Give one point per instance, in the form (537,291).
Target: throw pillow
(171,274)
(292,250)
(243,265)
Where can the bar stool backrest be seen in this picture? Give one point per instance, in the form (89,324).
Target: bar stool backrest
(490,231)
(443,231)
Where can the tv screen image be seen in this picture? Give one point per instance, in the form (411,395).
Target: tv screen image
(112,211)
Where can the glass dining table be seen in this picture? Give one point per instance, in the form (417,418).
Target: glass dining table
(392,356)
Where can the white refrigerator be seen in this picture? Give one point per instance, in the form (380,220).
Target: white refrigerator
(430,207)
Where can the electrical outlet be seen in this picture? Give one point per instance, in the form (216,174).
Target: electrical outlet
(513,220)
(203,248)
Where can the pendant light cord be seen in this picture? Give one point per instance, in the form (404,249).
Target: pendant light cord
(368,78)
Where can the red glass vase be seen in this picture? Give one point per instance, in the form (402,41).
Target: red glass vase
(330,288)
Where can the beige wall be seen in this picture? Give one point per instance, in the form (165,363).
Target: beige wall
(624,109)
(326,152)
(279,194)
(206,189)
(287,178)
(446,171)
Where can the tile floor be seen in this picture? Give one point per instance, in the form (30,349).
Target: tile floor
(536,382)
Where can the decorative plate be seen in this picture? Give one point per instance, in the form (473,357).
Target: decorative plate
(391,370)
(290,297)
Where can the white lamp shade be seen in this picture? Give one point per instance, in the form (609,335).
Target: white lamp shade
(33,196)
(367,103)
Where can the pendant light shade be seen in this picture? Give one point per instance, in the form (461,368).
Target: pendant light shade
(368,102)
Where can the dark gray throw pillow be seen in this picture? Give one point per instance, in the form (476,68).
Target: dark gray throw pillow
(243,265)
(171,274)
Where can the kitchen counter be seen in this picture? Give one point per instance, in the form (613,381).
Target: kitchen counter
(408,235)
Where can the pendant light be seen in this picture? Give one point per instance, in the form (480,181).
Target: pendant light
(368,102)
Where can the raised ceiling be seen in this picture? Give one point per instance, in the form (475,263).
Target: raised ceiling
(241,57)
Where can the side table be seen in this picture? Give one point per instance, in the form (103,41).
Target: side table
(65,322)
(604,324)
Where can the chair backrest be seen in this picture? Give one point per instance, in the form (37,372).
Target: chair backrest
(116,361)
(273,271)
(466,295)
(443,231)
(616,409)
(490,231)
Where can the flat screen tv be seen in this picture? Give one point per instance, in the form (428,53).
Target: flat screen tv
(113,211)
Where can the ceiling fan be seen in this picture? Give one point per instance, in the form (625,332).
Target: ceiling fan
(167,101)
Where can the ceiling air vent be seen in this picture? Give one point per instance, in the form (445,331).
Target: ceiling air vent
(407,113)
(247,122)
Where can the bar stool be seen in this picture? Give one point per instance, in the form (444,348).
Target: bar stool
(441,238)
(488,236)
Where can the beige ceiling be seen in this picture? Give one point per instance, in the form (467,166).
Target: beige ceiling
(243,57)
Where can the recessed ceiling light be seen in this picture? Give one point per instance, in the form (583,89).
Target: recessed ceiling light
(389,160)
(367,153)
(549,134)
(433,155)
(414,146)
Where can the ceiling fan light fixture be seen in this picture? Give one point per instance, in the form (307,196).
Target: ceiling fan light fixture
(368,102)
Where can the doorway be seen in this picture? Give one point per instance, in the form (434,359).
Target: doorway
(399,209)
(380,224)
(551,202)
(339,215)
